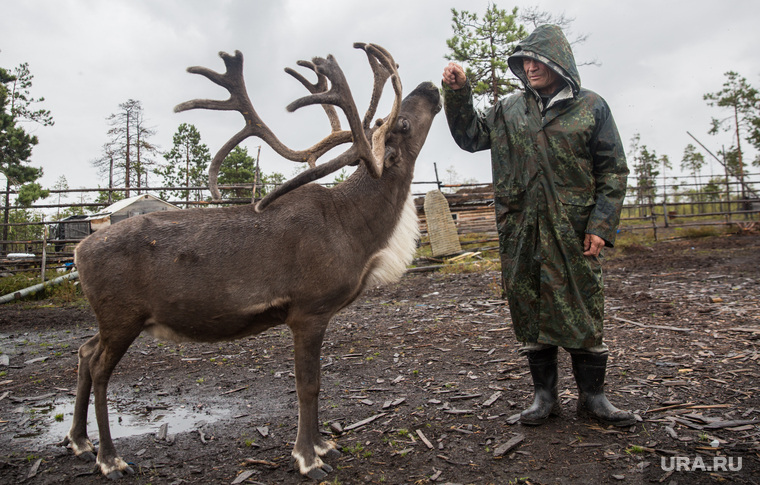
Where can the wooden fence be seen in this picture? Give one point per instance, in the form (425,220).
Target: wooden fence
(29,234)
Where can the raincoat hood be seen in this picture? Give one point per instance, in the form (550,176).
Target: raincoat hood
(549,45)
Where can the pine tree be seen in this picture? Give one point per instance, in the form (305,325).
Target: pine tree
(238,168)
(187,165)
(693,161)
(16,143)
(483,46)
(130,150)
(743,103)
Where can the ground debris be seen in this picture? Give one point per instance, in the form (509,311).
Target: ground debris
(254,461)
(424,439)
(503,449)
(363,422)
(429,344)
(34,469)
(495,396)
(244,475)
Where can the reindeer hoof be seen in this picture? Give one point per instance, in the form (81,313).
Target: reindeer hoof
(318,473)
(117,474)
(87,456)
(332,454)
(82,448)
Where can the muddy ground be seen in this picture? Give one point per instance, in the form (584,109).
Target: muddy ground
(429,366)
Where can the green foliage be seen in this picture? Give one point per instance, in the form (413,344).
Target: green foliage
(700,231)
(23,232)
(187,164)
(30,192)
(646,166)
(733,160)
(483,44)
(341,176)
(63,184)
(271,181)
(630,239)
(238,168)
(241,168)
(21,100)
(714,189)
(635,450)
(692,161)
(64,293)
(742,102)
(356,449)
(15,143)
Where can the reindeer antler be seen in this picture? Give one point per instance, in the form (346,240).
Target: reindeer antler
(320,86)
(375,53)
(232,80)
(372,153)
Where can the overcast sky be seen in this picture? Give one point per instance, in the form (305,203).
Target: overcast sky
(657,59)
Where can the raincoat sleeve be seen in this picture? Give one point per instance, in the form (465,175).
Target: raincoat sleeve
(468,126)
(610,175)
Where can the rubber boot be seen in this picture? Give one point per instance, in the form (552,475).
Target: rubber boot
(543,369)
(589,371)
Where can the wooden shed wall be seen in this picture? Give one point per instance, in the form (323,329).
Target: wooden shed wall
(471,211)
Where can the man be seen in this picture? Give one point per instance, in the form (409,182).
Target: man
(559,176)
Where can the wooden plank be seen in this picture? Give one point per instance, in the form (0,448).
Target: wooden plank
(509,445)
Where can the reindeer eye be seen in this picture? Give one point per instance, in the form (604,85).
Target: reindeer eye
(403,125)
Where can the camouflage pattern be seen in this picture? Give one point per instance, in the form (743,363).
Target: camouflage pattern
(557,175)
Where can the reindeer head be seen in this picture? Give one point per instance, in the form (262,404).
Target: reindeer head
(416,115)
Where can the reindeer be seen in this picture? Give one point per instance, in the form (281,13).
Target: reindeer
(296,257)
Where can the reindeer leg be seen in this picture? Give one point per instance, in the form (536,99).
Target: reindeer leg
(310,447)
(102,363)
(77,438)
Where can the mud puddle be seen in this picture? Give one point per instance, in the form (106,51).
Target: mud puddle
(43,424)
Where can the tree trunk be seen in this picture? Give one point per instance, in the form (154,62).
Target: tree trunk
(6,212)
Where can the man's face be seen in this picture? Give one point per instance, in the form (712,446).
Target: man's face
(540,76)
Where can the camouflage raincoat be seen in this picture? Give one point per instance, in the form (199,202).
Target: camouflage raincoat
(559,172)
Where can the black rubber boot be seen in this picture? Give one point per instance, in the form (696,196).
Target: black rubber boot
(543,369)
(589,371)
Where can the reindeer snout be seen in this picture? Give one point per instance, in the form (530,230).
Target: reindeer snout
(430,93)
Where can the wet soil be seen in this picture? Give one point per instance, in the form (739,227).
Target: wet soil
(420,384)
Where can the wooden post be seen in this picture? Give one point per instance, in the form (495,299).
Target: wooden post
(44,249)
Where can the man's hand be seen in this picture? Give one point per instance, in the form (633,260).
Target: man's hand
(454,76)
(592,245)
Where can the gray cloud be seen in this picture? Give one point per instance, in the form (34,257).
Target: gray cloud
(657,60)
